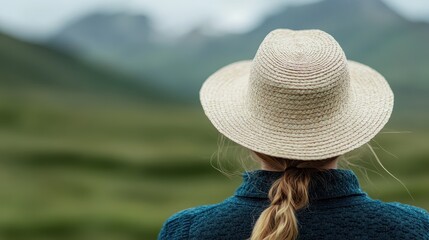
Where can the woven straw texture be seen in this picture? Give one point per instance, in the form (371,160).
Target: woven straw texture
(299,98)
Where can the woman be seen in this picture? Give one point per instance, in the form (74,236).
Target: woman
(298,106)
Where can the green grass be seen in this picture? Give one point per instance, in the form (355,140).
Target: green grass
(70,169)
(73,167)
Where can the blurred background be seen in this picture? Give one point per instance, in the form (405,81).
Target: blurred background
(101,132)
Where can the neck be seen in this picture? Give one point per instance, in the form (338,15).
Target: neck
(329,165)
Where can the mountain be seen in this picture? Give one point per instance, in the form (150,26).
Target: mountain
(31,67)
(100,32)
(129,43)
(368,30)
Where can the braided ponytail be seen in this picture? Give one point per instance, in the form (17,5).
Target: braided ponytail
(287,195)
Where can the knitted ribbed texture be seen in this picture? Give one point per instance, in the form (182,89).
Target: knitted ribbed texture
(338,210)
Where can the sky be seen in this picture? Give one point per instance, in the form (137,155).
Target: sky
(38,19)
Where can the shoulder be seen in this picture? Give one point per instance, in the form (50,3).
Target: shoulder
(403,219)
(230,219)
(178,225)
(411,212)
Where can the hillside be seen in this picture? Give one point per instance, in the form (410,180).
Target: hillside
(30,67)
(81,147)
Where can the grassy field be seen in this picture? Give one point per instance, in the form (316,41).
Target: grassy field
(76,167)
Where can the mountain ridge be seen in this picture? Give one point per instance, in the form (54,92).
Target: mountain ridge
(26,65)
(368,31)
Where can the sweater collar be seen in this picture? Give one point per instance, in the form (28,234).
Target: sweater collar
(327,184)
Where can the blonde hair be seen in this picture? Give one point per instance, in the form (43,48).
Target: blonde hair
(287,195)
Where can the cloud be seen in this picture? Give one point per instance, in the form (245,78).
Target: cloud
(412,9)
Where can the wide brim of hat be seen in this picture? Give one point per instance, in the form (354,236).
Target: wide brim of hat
(223,97)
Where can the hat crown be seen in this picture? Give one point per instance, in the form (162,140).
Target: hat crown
(298,77)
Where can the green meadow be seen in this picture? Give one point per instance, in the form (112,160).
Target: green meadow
(78,167)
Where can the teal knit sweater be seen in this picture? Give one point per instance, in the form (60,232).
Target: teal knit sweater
(338,209)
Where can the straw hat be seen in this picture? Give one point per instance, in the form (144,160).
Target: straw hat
(300,98)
